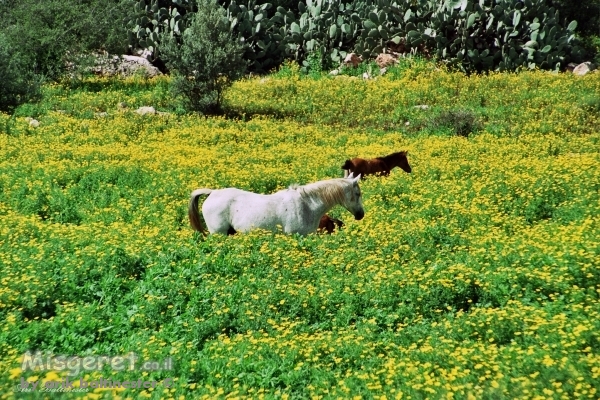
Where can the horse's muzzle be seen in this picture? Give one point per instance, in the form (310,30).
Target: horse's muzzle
(359,215)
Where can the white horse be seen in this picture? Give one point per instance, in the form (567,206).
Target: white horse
(296,210)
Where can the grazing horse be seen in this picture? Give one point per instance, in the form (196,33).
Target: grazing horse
(295,210)
(327,224)
(379,165)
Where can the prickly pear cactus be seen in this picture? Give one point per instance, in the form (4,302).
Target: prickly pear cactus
(150,21)
(474,35)
(501,35)
(262,36)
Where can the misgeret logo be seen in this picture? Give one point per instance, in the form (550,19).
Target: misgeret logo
(75,364)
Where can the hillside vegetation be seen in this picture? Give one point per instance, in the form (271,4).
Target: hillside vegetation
(476,276)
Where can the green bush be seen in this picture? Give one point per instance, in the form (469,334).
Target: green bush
(47,32)
(18,83)
(207,61)
(586,13)
(460,122)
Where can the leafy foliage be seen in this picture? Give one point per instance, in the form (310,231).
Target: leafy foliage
(471,35)
(47,33)
(18,82)
(207,61)
(586,13)
(460,122)
(149,21)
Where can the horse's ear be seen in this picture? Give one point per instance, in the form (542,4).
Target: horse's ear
(350,176)
(357,178)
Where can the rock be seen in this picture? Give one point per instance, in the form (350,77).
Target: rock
(407,123)
(122,104)
(334,72)
(385,60)
(571,67)
(422,106)
(366,75)
(352,60)
(146,110)
(132,64)
(144,53)
(111,65)
(583,68)
(34,123)
(101,114)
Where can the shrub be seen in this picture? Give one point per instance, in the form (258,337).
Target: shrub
(18,83)
(461,122)
(586,13)
(47,31)
(207,61)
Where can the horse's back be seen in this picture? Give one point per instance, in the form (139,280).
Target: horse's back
(368,167)
(244,211)
(218,206)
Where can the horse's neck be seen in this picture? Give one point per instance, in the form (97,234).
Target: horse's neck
(389,161)
(319,206)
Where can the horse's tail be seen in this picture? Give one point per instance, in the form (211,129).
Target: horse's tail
(348,165)
(193,212)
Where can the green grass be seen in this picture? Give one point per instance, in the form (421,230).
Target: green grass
(474,276)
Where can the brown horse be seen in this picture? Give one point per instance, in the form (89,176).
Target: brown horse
(379,165)
(328,224)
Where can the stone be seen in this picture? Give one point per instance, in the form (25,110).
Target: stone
(583,68)
(34,123)
(146,110)
(422,106)
(130,65)
(352,60)
(571,67)
(144,53)
(334,72)
(385,60)
(366,75)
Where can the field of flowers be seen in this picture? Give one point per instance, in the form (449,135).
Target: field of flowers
(476,276)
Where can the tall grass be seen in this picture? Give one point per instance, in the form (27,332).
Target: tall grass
(476,276)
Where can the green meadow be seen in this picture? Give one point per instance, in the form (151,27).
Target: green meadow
(477,276)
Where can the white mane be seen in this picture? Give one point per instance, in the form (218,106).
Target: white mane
(331,191)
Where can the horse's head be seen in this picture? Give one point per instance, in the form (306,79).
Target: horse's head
(353,197)
(402,161)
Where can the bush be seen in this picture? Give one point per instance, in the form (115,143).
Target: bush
(460,122)
(206,62)
(18,83)
(586,13)
(47,31)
